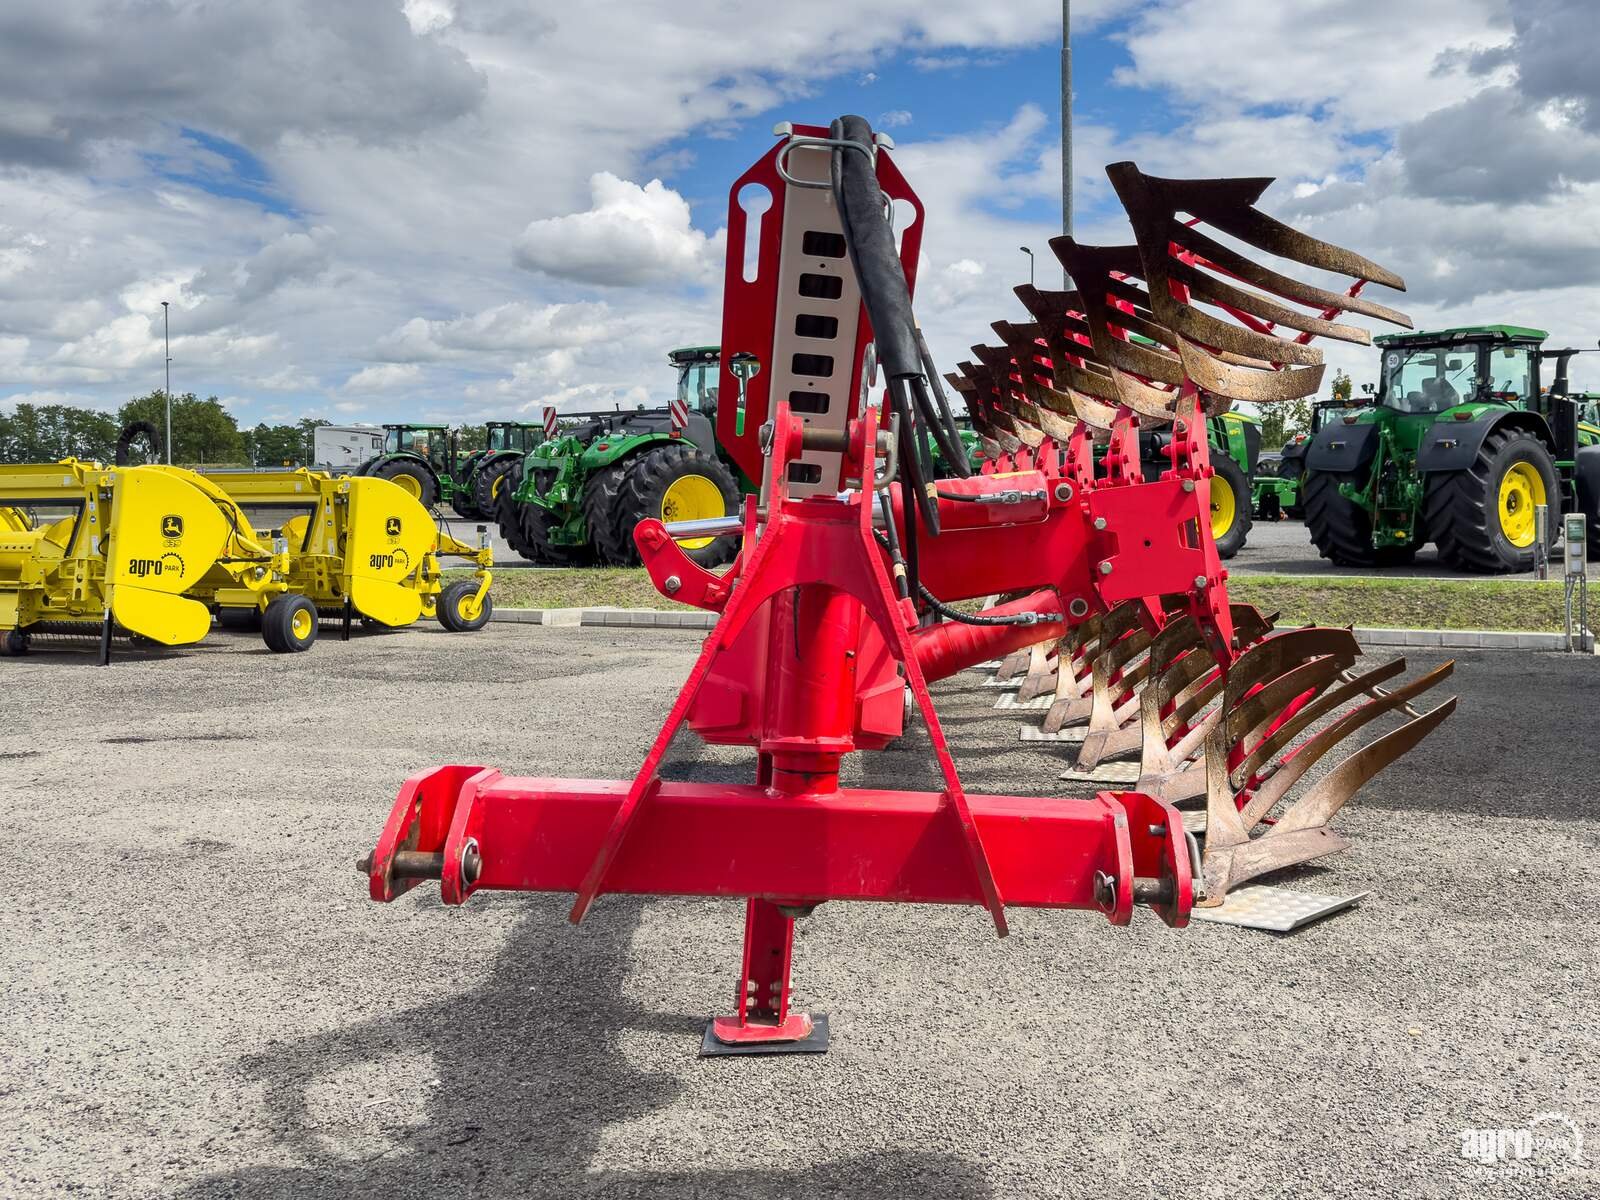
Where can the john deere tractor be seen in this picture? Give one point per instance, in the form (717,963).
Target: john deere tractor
(426,461)
(1277,480)
(1459,446)
(576,497)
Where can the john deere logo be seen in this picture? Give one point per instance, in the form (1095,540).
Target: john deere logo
(172,526)
(392,527)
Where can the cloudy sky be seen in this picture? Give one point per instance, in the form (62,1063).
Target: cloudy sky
(467,208)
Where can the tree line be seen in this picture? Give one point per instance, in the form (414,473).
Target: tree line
(203,433)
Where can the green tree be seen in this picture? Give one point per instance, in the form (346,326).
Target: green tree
(203,432)
(45,433)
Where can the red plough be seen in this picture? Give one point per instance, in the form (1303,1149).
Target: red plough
(830,622)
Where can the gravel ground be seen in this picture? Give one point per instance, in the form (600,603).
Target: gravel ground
(202,1002)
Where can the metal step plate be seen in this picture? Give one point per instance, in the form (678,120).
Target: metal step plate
(1032,733)
(1009,701)
(1276,909)
(1115,773)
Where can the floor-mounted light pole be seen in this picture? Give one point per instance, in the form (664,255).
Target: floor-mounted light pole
(1066,121)
(166,333)
(1029,253)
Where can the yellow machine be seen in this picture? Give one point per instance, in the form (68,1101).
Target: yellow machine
(153,551)
(86,548)
(355,546)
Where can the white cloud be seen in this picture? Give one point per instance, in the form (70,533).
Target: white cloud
(894,119)
(384,377)
(631,235)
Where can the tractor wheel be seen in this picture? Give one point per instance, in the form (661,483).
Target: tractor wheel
(1230,507)
(14,644)
(289,625)
(457,613)
(676,481)
(411,477)
(1482,518)
(1341,529)
(526,528)
(247,620)
(488,482)
(505,513)
(463,506)
(604,510)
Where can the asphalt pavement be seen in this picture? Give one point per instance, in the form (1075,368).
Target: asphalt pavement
(202,1002)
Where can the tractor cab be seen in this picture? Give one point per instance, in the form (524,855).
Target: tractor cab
(515,436)
(699,371)
(1486,364)
(428,442)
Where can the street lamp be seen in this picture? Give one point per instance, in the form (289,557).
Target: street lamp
(166,333)
(1029,253)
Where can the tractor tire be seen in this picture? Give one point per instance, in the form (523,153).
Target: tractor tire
(452,599)
(1482,518)
(1340,529)
(463,507)
(289,624)
(415,479)
(14,643)
(246,620)
(1230,507)
(505,514)
(526,528)
(604,510)
(487,483)
(676,481)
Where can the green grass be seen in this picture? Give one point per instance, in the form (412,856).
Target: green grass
(1399,603)
(1404,603)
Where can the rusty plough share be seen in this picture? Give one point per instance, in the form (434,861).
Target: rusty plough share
(1115,604)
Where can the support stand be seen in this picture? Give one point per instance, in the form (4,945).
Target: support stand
(764,1024)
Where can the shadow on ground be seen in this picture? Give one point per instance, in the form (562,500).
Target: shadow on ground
(530,1072)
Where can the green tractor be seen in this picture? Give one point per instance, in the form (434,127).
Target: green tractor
(576,498)
(1458,447)
(1276,484)
(426,461)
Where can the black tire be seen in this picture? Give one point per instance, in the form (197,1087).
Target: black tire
(535,523)
(289,624)
(604,510)
(487,483)
(1229,474)
(1341,529)
(644,488)
(15,643)
(1463,511)
(244,620)
(451,600)
(505,514)
(1270,508)
(395,468)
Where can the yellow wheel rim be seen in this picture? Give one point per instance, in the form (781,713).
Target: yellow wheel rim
(692,498)
(1521,491)
(408,484)
(1223,507)
(300,625)
(494,487)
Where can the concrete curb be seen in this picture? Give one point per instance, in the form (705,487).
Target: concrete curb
(1430,639)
